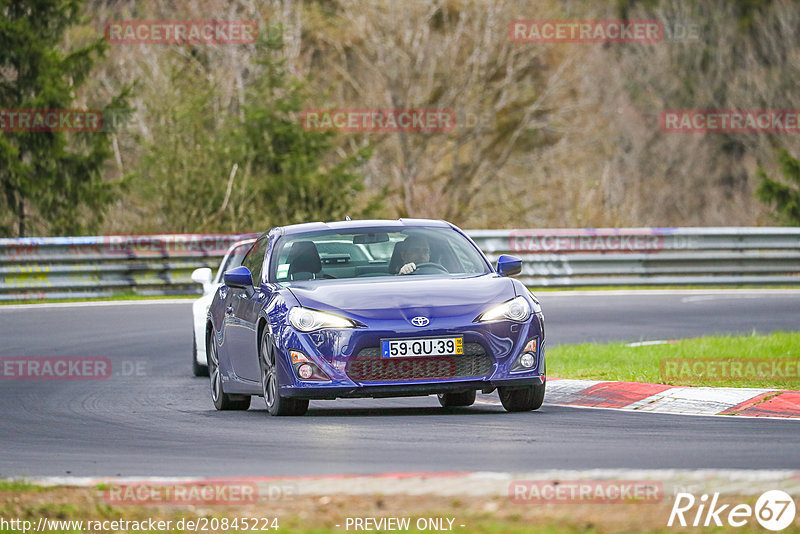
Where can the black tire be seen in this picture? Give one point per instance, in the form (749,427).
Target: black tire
(198,369)
(221,400)
(522,399)
(276,405)
(456,400)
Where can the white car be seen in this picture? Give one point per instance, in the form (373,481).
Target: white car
(233,258)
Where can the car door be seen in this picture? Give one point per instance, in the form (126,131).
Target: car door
(243,310)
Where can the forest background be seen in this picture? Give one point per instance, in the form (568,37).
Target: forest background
(208,137)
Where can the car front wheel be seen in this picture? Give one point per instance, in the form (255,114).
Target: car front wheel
(523,399)
(455,400)
(276,405)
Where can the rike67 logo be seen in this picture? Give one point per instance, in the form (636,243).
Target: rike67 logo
(774,510)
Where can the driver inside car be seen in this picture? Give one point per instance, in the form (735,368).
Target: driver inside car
(416,250)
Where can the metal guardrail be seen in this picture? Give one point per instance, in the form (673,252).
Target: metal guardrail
(650,256)
(84,267)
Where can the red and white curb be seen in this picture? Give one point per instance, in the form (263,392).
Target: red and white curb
(642,397)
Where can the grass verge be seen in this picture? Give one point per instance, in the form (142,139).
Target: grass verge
(320,514)
(757,361)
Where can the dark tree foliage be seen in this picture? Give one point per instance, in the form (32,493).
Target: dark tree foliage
(50,181)
(784,195)
(247,168)
(293,172)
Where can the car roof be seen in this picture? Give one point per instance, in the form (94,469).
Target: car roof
(367,223)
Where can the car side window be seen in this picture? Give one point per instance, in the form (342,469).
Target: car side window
(235,259)
(254,260)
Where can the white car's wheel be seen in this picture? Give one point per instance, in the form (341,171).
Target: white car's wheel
(198,369)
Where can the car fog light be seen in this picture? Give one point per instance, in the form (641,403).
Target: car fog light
(305,371)
(297,356)
(527,360)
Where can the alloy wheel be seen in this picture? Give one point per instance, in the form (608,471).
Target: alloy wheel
(269,382)
(213,370)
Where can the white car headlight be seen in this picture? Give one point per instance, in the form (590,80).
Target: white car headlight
(307,320)
(516,309)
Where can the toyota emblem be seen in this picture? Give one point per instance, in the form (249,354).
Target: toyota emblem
(420,321)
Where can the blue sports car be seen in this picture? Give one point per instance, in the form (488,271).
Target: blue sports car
(373,309)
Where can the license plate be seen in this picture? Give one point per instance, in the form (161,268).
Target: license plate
(407,348)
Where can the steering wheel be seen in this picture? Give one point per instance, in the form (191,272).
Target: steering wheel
(431,267)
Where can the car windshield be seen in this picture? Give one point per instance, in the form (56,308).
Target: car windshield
(374,252)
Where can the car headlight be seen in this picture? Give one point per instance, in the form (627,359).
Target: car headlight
(308,320)
(537,308)
(516,309)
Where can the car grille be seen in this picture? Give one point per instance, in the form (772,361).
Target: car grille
(369,366)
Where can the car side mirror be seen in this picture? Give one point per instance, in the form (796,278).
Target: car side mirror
(238,277)
(203,275)
(508,265)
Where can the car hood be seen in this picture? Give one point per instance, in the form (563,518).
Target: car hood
(391,298)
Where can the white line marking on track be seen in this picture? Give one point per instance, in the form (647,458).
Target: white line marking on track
(628,410)
(667,292)
(696,400)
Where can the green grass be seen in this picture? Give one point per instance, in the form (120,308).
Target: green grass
(18,485)
(618,362)
(306,514)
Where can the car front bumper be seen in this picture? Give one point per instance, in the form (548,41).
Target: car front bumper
(406,389)
(356,367)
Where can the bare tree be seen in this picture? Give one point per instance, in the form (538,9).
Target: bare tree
(452,56)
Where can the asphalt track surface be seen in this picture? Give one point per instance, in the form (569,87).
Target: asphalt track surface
(151,418)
